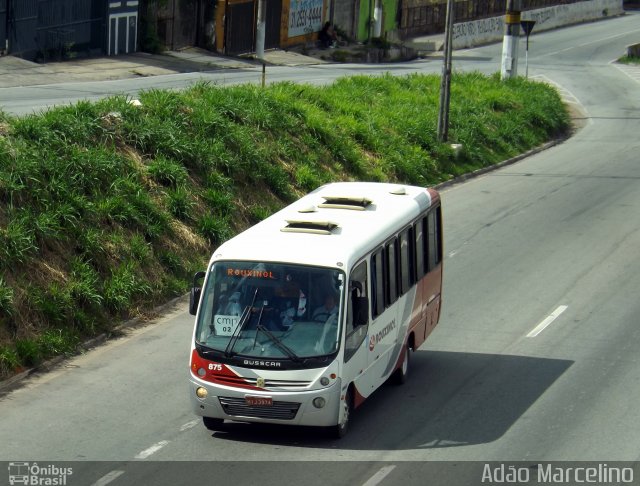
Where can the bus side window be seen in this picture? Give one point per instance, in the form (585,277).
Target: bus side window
(378,271)
(357,310)
(419,249)
(407,274)
(391,251)
(434,250)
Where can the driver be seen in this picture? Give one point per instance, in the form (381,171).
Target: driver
(326,310)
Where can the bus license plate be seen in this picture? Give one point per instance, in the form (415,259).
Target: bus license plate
(258,401)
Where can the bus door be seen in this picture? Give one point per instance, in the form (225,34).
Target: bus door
(384,305)
(356,329)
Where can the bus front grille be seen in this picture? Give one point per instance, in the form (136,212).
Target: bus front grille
(279,410)
(269,384)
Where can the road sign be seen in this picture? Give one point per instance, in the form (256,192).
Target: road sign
(527,26)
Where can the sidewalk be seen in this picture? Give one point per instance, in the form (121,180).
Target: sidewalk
(18,72)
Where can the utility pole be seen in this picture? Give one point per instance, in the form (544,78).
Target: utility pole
(445,82)
(261,29)
(509,67)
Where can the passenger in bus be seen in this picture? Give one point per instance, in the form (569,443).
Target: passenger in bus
(289,288)
(223,303)
(291,291)
(234,308)
(326,310)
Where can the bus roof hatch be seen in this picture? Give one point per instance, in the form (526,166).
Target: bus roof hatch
(316,227)
(345,202)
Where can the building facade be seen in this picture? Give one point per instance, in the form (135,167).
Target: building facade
(61,29)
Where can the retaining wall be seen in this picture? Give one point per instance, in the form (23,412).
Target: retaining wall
(485,31)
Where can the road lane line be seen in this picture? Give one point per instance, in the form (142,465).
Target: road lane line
(544,324)
(597,41)
(379,476)
(151,450)
(189,425)
(107,478)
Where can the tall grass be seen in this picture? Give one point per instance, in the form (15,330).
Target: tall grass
(106,208)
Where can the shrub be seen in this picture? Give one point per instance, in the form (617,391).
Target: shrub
(6,298)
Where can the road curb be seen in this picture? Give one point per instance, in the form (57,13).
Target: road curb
(472,175)
(577,114)
(15,380)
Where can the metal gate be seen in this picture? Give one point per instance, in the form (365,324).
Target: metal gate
(272,23)
(22,22)
(3,25)
(240,27)
(53,28)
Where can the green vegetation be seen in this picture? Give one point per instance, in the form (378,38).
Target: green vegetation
(629,60)
(106,209)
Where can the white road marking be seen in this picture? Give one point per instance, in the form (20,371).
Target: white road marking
(379,476)
(565,94)
(584,44)
(189,425)
(633,71)
(544,324)
(107,478)
(151,450)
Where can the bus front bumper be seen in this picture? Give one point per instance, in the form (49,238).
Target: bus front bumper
(292,408)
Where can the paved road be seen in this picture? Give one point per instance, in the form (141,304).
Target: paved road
(535,358)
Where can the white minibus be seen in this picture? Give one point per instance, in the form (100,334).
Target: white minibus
(303,316)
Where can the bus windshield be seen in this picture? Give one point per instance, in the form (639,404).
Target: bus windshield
(270,310)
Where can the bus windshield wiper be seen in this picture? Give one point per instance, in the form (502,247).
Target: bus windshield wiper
(204,350)
(278,342)
(244,318)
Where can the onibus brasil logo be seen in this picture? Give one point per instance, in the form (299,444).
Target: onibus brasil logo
(36,475)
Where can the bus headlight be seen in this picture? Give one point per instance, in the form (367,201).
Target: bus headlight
(201,392)
(324,381)
(201,372)
(319,402)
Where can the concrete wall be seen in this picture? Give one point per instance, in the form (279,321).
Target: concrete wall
(477,32)
(344,16)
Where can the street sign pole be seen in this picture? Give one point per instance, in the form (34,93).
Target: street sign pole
(527,26)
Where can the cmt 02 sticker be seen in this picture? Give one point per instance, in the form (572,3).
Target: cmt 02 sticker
(225,325)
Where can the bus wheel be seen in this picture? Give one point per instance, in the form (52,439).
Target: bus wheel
(402,373)
(342,428)
(212,423)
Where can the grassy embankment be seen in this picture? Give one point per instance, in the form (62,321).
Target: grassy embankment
(106,209)
(629,60)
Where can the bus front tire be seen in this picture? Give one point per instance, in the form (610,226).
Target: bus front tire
(342,428)
(212,423)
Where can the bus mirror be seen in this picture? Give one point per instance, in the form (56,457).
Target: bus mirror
(194,296)
(361,310)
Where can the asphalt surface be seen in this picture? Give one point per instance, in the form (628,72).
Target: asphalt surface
(535,358)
